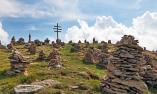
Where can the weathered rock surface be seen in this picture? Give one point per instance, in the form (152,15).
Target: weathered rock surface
(35,87)
(124,69)
(27,89)
(48,83)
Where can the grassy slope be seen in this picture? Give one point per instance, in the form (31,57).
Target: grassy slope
(39,71)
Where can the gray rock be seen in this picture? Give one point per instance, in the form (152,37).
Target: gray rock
(27,89)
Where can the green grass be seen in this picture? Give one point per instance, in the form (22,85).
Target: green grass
(39,71)
(68,76)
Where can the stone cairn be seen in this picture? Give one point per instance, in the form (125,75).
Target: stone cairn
(60,43)
(103,62)
(18,63)
(79,42)
(0,42)
(54,45)
(38,42)
(103,47)
(92,56)
(42,55)
(95,41)
(150,71)
(70,42)
(10,46)
(13,41)
(32,48)
(55,59)
(109,42)
(21,41)
(29,41)
(87,44)
(1,46)
(76,47)
(46,41)
(123,70)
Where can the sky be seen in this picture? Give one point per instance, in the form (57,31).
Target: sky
(80,20)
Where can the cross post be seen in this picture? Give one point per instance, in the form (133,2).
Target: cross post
(57,29)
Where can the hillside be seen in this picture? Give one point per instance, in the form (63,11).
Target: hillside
(69,75)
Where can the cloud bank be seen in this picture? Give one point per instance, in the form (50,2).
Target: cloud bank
(144,28)
(62,9)
(3,35)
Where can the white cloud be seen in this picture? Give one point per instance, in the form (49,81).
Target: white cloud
(64,9)
(14,8)
(3,35)
(106,28)
(32,28)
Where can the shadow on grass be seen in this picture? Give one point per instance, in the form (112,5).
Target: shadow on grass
(3,76)
(153,89)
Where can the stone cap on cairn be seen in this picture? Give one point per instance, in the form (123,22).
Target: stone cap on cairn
(129,41)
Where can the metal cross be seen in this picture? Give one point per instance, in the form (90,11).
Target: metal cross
(57,29)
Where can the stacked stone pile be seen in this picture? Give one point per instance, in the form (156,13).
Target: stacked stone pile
(95,41)
(10,46)
(21,41)
(76,47)
(103,47)
(37,42)
(32,48)
(60,43)
(54,45)
(42,55)
(103,62)
(2,46)
(109,42)
(55,59)
(124,68)
(18,63)
(150,71)
(97,56)
(93,56)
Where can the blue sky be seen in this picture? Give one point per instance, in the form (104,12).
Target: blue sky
(37,17)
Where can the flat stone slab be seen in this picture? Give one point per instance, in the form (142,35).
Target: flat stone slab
(48,82)
(27,89)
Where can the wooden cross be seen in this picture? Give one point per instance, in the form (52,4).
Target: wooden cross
(57,29)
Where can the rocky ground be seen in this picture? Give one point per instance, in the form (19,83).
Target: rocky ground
(75,77)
